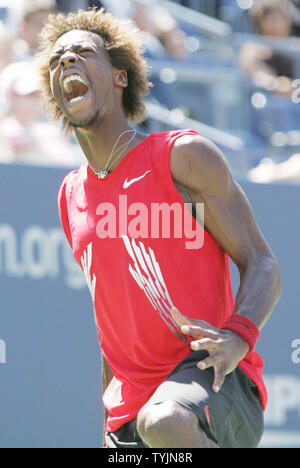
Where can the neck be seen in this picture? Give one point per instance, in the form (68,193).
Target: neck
(97,142)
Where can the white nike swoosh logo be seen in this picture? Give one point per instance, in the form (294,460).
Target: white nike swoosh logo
(132,181)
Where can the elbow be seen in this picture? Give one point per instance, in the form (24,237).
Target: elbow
(265,268)
(278,280)
(272,270)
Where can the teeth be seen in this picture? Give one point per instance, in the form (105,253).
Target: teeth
(76,99)
(70,78)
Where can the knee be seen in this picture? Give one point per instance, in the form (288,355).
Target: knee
(159,420)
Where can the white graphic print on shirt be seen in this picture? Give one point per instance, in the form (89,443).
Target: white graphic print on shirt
(86,262)
(147,273)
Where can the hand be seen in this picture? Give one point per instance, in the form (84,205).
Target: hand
(226,349)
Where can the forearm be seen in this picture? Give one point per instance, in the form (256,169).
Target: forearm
(260,290)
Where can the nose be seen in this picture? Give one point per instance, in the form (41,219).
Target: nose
(68,58)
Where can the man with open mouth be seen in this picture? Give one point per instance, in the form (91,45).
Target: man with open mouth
(179,365)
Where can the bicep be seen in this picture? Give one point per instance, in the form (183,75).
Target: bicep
(203,169)
(230,220)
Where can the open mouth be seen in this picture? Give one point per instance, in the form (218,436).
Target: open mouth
(75,88)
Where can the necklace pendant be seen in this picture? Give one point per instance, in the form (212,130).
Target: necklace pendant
(102,174)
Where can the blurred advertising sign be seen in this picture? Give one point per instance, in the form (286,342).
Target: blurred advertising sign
(279,344)
(50,373)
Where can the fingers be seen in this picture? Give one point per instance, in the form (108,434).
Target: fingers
(204,344)
(199,331)
(210,361)
(193,327)
(208,340)
(180,319)
(220,374)
(214,361)
(219,379)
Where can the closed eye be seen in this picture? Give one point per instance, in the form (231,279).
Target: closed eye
(86,50)
(53,61)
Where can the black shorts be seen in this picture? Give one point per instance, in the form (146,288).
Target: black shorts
(233,418)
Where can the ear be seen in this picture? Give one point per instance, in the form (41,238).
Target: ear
(120,78)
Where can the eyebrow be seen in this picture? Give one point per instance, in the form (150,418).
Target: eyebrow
(74,47)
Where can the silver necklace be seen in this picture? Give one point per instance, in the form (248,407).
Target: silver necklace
(104,173)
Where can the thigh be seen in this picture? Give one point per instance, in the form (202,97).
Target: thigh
(233,418)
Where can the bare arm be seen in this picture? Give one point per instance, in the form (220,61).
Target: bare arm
(107,376)
(200,167)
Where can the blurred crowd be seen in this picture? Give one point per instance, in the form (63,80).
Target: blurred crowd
(26,136)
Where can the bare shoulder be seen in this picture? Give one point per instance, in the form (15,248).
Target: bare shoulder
(199,164)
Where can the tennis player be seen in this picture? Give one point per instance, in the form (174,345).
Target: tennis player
(179,365)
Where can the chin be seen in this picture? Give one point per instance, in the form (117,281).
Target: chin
(85,123)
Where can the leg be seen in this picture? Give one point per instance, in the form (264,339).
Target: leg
(233,418)
(170,425)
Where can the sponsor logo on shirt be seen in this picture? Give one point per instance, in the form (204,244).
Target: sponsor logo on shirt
(127,183)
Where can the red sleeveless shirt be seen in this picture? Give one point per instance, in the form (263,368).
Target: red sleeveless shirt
(141,252)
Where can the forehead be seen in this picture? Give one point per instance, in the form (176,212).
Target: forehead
(78,37)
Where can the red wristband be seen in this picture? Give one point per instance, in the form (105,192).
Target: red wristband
(243,327)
